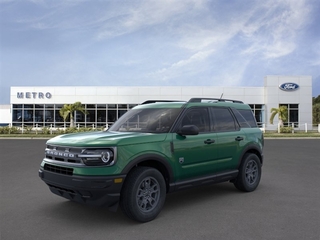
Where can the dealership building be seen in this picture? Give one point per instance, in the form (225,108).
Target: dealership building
(39,106)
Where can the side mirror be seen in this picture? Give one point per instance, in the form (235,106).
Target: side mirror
(188,130)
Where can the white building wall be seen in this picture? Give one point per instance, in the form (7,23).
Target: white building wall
(273,96)
(270,95)
(133,95)
(5,114)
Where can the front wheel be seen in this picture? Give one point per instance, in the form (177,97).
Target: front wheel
(143,194)
(249,173)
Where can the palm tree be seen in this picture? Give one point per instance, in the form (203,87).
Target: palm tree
(316,113)
(282,112)
(69,109)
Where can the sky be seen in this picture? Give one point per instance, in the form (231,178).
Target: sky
(156,42)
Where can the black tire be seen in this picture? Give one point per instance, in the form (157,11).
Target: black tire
(249,173)
(143,194)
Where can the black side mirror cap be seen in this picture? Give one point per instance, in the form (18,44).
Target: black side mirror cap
(188,130)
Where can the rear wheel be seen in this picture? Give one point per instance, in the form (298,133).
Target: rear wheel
(143,194)
(249,173)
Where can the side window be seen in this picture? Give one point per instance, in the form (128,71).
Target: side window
(223,120)
(241,120)
(198,117)
(248,115)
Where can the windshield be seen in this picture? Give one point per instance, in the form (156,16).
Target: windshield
(147,120)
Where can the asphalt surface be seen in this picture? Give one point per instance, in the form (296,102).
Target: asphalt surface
(286,204)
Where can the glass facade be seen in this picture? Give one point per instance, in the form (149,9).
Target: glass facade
(99,115)
(38,105)
(293,115)
(41,115)
(259,113)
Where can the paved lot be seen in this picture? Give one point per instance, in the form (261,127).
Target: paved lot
(286,205)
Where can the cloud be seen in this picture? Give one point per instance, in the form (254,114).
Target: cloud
(276,27)
(316,50)
(187,42)
(267,30)
(138,15)
(175,68)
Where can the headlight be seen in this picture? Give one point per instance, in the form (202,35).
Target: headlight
(107,156)
(98,157)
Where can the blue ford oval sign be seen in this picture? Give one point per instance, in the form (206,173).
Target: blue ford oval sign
(289,86)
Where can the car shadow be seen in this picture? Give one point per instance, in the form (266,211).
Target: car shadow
(76,213)
(199,195)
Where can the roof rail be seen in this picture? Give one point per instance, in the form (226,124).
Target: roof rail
(214,99)
(156,101)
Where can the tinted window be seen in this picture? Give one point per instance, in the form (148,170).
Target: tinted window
(241,120)
(152,120)
(198,117)
(248,116)
(223,120)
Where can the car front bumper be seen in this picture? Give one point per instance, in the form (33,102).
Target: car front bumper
(90,190)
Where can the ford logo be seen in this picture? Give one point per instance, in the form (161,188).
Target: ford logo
(289,86)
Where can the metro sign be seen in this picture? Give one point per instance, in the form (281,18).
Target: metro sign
(34,95)
(289,86)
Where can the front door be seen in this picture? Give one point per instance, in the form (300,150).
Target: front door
(195,155)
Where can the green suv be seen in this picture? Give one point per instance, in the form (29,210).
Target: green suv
(156,148)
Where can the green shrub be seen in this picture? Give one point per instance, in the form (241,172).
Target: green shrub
(9,130)
(27,129)
(71,130)
(45,130)
(60,131)
(13,130)
(286,129)
(4,130)
(84,129)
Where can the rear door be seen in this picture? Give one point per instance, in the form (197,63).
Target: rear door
(230,138)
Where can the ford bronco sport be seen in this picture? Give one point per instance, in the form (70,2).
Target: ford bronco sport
(156,148)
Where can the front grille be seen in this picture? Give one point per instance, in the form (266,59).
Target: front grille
(64,154)
(58,169)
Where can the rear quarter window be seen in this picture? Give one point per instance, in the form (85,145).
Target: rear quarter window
(245,118)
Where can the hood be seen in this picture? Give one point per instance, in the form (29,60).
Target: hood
(103,139)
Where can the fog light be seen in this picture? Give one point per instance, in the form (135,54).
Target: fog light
(118,180)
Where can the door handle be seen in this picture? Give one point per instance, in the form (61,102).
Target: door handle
(209,141)
(239,138)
